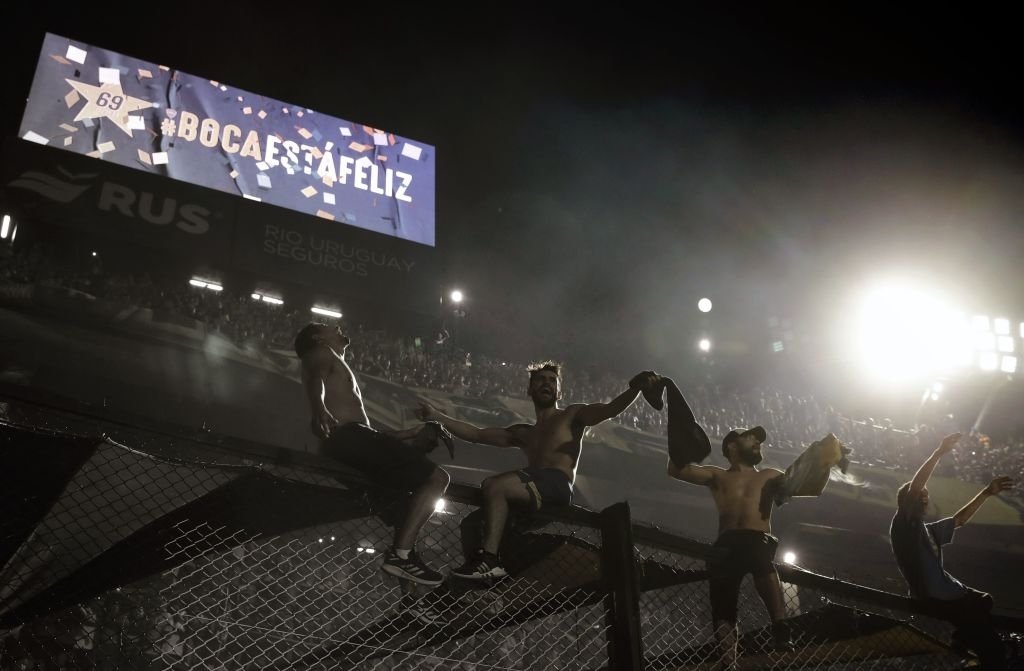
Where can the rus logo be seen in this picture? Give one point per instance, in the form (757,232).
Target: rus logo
(113,197)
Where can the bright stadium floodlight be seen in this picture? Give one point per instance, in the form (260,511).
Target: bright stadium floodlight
(704,305)
(704,345)
(1006,344)
(1001,326)
(980,323)
(205,284)
(906,334)
(456,296)
(988,361)
(326,312)
(1008,364)
(5,227)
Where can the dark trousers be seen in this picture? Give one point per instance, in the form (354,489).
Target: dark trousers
(972,617)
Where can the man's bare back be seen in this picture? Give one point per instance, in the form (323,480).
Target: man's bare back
(331,385)
(341,393)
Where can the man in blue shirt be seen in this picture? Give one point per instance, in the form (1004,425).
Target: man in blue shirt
(918,550)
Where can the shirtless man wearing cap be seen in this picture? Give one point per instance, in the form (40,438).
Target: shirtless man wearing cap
(742,495)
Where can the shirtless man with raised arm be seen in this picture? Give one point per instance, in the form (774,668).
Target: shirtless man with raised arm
(742,497)
(340,421)
(552,446)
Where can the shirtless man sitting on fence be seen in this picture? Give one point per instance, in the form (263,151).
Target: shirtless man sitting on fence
(340,421)
(552,446)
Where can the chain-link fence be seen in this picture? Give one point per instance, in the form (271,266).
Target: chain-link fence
(829,624)
(125,548)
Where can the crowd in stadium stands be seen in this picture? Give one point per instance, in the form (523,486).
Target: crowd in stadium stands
(792,421)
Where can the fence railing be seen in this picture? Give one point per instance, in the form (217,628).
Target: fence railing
(126,547)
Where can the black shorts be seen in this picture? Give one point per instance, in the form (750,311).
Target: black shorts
(384,459)
(750,552)
(548,487)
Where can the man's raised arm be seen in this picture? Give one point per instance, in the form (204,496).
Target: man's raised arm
(695,474)
(595,413)
(1000,484)
(920,480)
(496,436)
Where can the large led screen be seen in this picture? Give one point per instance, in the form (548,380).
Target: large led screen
(160,120)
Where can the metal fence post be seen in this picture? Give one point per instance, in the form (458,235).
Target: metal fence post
(622,600)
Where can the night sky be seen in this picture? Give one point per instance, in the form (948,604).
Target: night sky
(601,170)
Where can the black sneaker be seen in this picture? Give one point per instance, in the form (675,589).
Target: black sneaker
(412,569)
(483,565)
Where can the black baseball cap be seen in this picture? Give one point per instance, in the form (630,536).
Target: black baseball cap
(757,431)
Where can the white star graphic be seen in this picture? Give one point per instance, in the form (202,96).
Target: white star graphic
(107,100)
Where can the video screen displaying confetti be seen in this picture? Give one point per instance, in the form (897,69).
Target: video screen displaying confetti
(154,118)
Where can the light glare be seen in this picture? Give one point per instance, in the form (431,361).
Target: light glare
(326,312)
(907,334)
